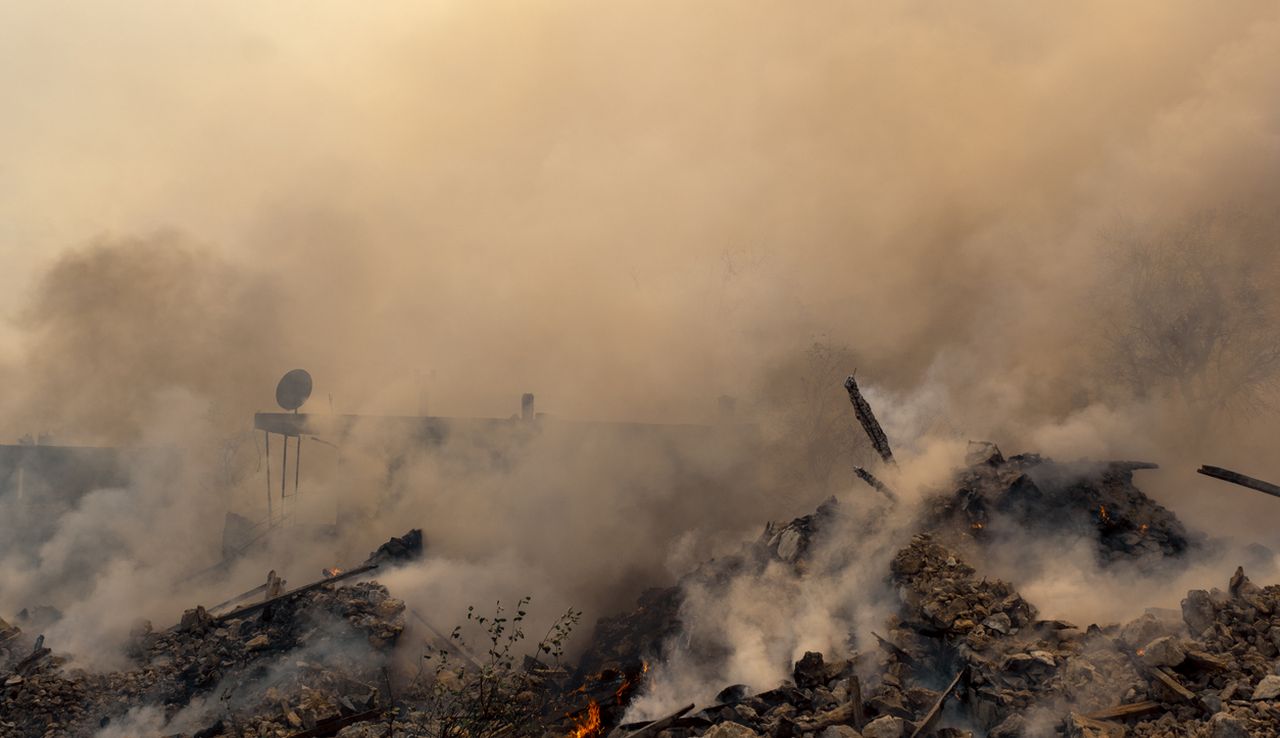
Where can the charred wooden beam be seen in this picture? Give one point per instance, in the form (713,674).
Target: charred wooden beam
(894,649)
(657,726)
(1227,475)
(1160,674)
(329,727)
(451,643)
(1133,466)
(875,483)
(926,724)
(855,699)
(247,609)
(862,409)
(1120,712)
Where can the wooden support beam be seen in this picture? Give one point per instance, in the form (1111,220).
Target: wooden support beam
(247,609)
(1120,712)
(1227,475)
(866,418)
(657,726)
(875,483)
(930,717)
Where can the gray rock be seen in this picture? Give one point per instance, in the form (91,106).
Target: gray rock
(730,730)
(839,731)
(999,622)
(1166,651)
(1223,725)
(1268,688)
(1197,611)
(885,726)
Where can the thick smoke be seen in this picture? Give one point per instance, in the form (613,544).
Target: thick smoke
(630,210)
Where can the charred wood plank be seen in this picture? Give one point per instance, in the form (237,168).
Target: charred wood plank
(1120,712)
(248,609)
(862,410)
(895,650)
(930,717)
(1227,475)
(329,727)
(875,483)
(28,664)
(451,643)
(657,726)
(1160,674)
(1132,466)
(855,698)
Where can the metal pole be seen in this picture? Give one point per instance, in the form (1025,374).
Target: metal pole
(270,511)
(297,462)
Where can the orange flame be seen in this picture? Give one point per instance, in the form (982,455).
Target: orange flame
(328,573)
(1143,528)
(589,726)
(977,526)
(1102,514)
(629,685)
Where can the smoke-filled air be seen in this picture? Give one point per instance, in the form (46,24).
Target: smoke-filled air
(569,369)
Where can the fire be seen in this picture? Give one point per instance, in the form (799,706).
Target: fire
(629,685)
(1102,514)
(1143,528)
(588,727)
(328,573)
(977,526)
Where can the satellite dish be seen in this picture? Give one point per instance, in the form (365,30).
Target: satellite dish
(294,389)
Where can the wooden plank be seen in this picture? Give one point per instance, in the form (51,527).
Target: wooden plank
(657,726)
(329,727)
(931,716)
(875,483)
(247,609)
(1120,712)
(867,419)
(1227,475)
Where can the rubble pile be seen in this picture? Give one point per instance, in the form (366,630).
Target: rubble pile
(1212,673)
(297,663)
(1032,494)
(967,655)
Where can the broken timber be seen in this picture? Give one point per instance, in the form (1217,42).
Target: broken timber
(862,409)
(657,726)
(245,610)
(875,483)
(1120,712)
(1160,674)
(445,641)
(1227,475)
(930,717)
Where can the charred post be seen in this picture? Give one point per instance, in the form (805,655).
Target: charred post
(1227,475)
(866,418)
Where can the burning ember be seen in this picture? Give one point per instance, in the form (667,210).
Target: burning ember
(1102,514)
(329,573)
(589,726)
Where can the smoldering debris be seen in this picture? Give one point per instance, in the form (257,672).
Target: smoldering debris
(963,654)
(957,653)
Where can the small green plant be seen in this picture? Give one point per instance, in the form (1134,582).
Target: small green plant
(490,696)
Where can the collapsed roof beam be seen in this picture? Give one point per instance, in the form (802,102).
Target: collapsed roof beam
(1227,475)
